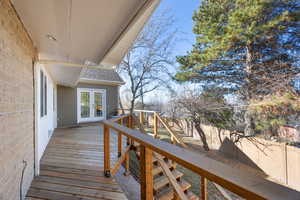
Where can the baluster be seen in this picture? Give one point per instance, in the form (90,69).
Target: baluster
(106,151)
(203,188)
(146,173)
(127,159)
(120,140)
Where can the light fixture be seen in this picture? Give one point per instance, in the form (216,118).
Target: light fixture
(51,37)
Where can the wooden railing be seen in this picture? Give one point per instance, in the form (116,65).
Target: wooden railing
(156,119)
(234,180)
(175,138)
(178,193)
(124,120)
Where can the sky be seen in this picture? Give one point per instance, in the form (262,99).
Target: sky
(183,11)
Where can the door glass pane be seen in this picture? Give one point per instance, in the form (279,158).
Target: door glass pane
(85,104)
(98,105)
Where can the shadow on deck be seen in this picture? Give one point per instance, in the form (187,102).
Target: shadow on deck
(72,167)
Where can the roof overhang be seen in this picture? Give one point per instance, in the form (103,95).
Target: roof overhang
(100,82)
(70,33)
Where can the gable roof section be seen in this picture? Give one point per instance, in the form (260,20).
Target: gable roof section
(104,76)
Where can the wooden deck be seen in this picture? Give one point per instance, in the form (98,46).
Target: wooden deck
(72,167)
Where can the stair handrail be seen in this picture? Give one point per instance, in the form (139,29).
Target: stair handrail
(171,132)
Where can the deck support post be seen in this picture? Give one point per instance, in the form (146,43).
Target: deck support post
(155,125)
(127,172)
(203,188)
(141,118)
(106,152)
(127,158)
(146,177)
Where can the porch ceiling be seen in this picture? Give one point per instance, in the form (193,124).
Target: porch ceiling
(77,31)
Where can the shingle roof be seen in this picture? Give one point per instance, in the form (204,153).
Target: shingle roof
(101,75)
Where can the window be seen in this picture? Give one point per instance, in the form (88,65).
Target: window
(43,94)
(54,98)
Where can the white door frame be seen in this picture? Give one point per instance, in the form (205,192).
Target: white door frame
(92,99)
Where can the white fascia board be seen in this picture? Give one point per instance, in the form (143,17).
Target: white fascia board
(104,82)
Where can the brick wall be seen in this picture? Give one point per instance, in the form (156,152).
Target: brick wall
(16,104)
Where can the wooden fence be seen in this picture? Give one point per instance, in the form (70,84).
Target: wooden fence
(276,160)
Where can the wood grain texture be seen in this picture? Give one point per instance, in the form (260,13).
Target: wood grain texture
(179,193)
(146,174)
(203,188)
(72,167)
(120,161)
(106,140)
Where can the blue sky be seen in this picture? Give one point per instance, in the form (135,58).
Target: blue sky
(183,11)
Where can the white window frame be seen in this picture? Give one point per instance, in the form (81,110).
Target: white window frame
(43,94)
(91,92)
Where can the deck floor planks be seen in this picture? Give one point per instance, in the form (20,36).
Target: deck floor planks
(72,167)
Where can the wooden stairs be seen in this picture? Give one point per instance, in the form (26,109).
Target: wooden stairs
(164,171)
(162,188)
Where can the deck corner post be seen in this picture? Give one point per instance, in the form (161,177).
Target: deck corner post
(146,173)
(130,120)
(106,152)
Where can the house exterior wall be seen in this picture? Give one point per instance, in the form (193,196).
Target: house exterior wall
(17,54)
(66,106)
(67,102)
(44,125)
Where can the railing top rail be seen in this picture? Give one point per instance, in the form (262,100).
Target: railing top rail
(235,180)
(117,118)
(146,111)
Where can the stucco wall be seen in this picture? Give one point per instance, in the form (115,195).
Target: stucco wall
(67,102)
(16,104)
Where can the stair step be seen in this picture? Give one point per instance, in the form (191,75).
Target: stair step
(154,159)
(169,195)
(157,169)
(163,180)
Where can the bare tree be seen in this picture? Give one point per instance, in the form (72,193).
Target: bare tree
(147,64)
(199,107)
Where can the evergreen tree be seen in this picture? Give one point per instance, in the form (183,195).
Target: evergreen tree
(247,45)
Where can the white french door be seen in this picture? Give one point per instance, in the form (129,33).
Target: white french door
(91,104)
